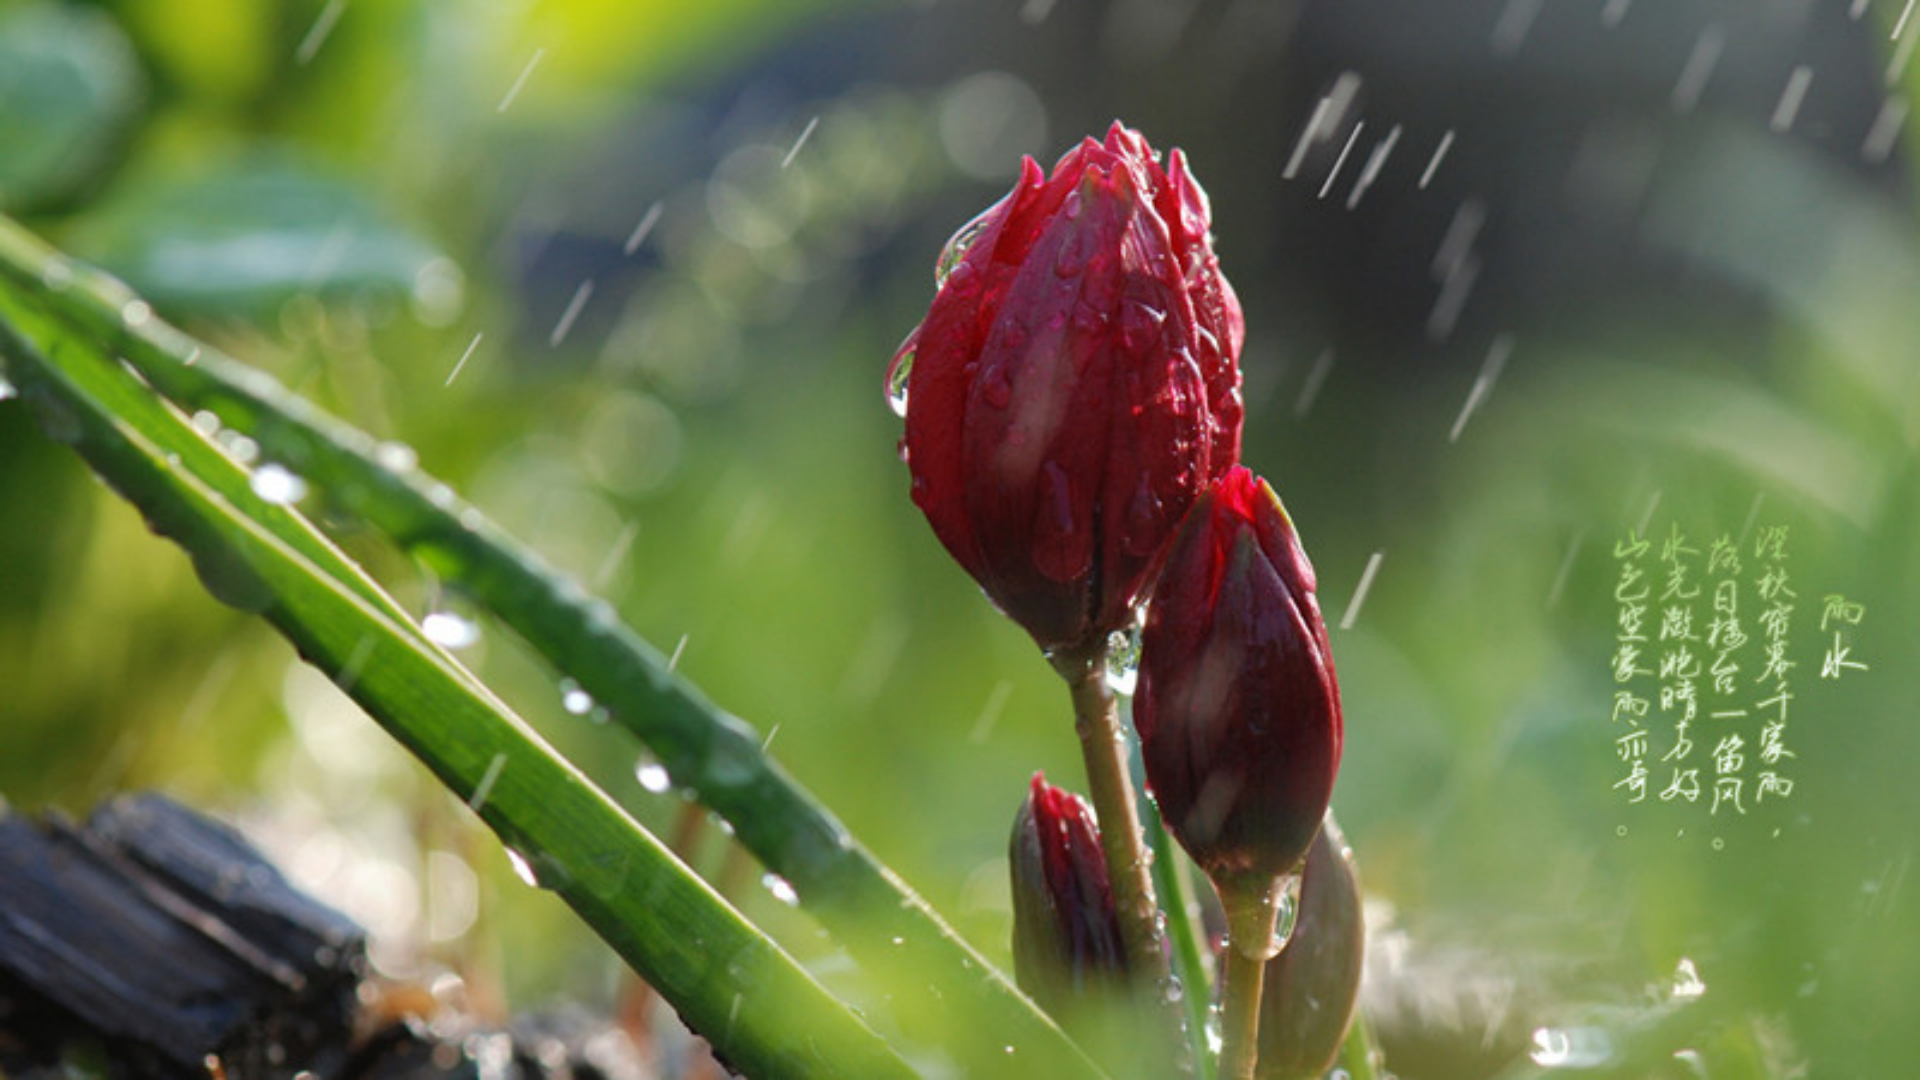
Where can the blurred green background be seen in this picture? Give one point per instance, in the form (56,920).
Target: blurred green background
(628,276)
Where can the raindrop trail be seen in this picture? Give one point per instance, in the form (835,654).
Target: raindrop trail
(574,306)
(1878,145)
(805,134)
(1360,591)
(1791,99)
(621,545)
(1902,53)
(317,36)
(1646,518)
(1858,9)
(639,235)
(464,357)
(1341,161)
(1753,514)
(1458,240)
(1900,24)
(1327,112)
(1433,163)
(1615,11)
(1483,382)
(1516,19)
(1371,171)
(767,743)
(1315,378)
(681,647)
(1566,569)
(1453,297)
(525,73)
(1698,69)
(990,714)
(487,779)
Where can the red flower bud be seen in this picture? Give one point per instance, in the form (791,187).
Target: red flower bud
(1074,386)
(1312,986)
(1237,706)
(1066,934)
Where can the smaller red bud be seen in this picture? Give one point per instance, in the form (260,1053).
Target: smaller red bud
(1066,934)
(1313,985)
(1237,706)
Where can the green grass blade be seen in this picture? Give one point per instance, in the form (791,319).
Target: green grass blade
(751,999)
(944,991)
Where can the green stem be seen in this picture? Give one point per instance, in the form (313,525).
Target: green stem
(1104,746)
(1357,1053)
(1251,914)
(1175,883)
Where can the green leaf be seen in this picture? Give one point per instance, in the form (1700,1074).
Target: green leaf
(942,991)
(754,1002)
(70,88)
(256,232)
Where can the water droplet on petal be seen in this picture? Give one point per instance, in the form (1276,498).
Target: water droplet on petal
(1144,528)
(449,631)
(1062,548)
(653,776)
(277,485)
(899,372)
(997,389)
(781,888)
(1071,207)
(958,244)
(573,699)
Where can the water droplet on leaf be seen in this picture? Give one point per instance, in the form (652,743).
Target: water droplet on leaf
(449,631)
(781,889)
(573,699)
(653,776)
(277,485)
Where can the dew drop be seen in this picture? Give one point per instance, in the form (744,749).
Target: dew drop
(899,371)
(573,699)
(1687,984)
(1570,1048)
(781,888)
(997,389)
(57,274)
(897,940)
(653,776)
(1071,207)
(239,447)
(136,313)
(7,389)
(958,244)
(277,485)
(1288,913)
(1173,990)
(396,457)
(206,423)
(449,631)
(1123,660)
(522,868)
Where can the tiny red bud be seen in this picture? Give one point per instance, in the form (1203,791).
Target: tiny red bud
(1066,933)
(1074,386)
(1237,705)
(1312,986)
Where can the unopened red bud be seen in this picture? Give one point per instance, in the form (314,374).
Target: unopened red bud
(1066,935)
(1237,706)
(1074,386)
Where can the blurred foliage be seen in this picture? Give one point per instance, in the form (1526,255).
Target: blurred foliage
(639,314)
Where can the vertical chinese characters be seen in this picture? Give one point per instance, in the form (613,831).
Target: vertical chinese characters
(1631,591)
(1679,663)
(1776,596)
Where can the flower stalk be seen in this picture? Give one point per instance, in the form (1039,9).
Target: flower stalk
(1251,916)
